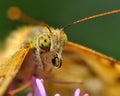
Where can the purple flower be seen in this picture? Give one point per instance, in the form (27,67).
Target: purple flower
(30,94)
(57,94)
(77,93)
(39,89)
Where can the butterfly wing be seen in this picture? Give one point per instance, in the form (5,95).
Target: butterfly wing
(9,69)
(105,68)
(97,62)
(99,74)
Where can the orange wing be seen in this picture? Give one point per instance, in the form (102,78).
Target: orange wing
(105,67)
(9,69)
(100,75)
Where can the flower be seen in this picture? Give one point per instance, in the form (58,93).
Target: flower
(77,93)
(39,89)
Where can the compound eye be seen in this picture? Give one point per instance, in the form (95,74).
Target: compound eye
(65,38)
(57,62)
(44,41)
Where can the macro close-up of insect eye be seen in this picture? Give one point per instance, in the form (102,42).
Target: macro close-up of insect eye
(56,48)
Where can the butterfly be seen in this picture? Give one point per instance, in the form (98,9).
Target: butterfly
(34,50)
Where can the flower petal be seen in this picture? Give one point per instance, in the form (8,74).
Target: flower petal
(40,88)
(34,85)
(30,94)
(77,92)
(57,94)
(86,94)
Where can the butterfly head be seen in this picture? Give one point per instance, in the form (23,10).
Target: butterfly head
(52,40)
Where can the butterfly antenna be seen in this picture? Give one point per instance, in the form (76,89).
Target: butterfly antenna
(15,14)
(91,17)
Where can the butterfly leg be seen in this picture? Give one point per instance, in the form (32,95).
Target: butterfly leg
(21,88)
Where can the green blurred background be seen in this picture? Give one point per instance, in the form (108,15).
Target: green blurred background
(101,34)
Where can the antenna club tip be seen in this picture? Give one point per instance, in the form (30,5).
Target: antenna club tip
(14,13)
